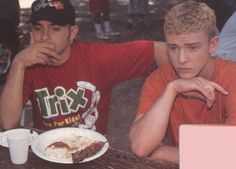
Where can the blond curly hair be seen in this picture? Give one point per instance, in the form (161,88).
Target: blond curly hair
(190,16)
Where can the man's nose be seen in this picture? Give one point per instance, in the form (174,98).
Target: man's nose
(183,57)
(46,35)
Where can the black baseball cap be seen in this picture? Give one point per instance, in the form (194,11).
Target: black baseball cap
(60,12)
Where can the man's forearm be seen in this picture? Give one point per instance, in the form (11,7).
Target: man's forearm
(11,97)
(147,132)
(166,153)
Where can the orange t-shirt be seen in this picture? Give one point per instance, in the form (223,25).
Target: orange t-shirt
(193,110)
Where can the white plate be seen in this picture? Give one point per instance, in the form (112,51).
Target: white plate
(40,144)
(3,137)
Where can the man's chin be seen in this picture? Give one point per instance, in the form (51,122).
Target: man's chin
(186,76)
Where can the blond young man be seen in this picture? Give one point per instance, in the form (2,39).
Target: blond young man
(194,88)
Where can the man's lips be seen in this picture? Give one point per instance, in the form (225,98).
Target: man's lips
(183,70)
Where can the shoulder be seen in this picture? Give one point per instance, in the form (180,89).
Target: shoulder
(130,43)
(157,81)
(225,73)
(86,47)
(224,66)
(162,75)
(114,49)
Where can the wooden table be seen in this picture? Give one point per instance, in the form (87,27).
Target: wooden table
(112,159)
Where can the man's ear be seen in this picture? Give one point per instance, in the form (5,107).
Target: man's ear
(31,38)
(74,30)
(214,43)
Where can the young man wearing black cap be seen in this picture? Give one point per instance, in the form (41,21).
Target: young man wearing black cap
(68,82)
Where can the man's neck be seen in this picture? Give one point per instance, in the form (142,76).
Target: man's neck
(208,69)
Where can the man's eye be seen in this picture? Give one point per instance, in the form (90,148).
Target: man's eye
(56,28)
(194,47)
(37,28)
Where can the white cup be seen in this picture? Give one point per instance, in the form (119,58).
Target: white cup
(18,143)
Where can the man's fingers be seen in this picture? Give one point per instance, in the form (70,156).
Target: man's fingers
(51,54)
(202,89)
(47,49)
(42,59)
(219,88)
(210,103)
(209,89)
(209,84)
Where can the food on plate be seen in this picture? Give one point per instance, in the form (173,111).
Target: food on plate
(76,147)
(60,144)
(60,150)
(89,151)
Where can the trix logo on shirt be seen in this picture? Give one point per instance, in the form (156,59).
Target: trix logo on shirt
(68,102)
(64,102)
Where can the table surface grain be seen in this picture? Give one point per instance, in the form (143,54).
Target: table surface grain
(112,159)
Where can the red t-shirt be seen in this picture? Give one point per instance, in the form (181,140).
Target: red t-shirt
(190,110)
(78,92)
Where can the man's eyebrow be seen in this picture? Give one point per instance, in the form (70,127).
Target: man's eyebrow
(37,24)
(54,24)
(186,44)
(171,44)
(194,43)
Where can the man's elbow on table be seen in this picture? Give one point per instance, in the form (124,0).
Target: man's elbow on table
(166,153)
(139,150)
(7,124)
(162,152)
(9,116)
(139,147)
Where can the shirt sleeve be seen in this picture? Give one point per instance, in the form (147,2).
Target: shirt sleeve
(122,61)
(151,91)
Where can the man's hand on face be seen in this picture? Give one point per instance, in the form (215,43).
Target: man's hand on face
(198,87)
(38,53)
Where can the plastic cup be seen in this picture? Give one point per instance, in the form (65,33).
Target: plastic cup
(18,143)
